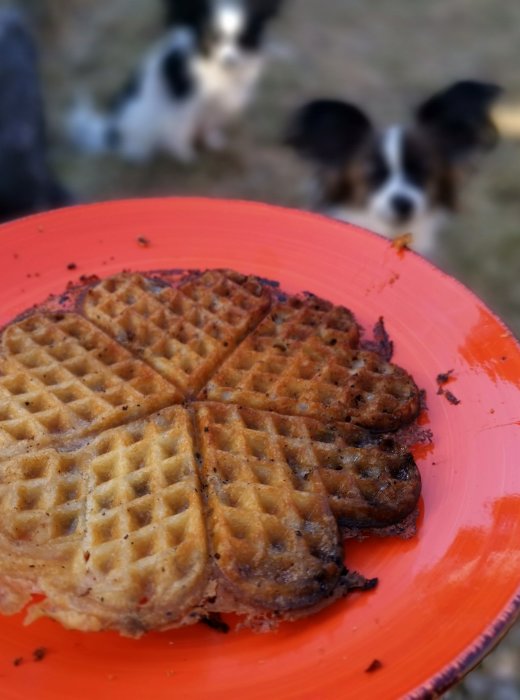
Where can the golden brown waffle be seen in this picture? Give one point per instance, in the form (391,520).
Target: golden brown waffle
(273,535)
(186,332)
(112,533)
(61,376)
(304,359)
(131,505)
(368,484)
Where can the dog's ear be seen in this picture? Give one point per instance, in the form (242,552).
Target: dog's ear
(329,132)
(186,13)
(259,13)
(459,117)
(264,10)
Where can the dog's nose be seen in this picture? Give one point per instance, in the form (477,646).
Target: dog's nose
(402,206)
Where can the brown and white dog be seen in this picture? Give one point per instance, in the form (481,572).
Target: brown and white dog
(404,178)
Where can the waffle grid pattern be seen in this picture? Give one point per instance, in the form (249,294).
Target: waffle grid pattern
(305,357)
(44,493)
(184,333)
(268,506)
(144,514)
(60,375)
(146,502)
(367,485)
(126,506)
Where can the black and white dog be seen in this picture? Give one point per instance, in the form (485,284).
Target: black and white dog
(402,178)
(190,86)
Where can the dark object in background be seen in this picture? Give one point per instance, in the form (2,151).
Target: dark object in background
(27,184)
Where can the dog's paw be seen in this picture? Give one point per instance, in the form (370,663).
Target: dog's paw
(215,140)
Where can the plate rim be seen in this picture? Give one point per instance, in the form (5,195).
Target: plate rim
(253,204)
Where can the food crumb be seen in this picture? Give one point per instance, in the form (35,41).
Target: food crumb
(443,379)
(374,666)
(402,242)
(383,345)
(143,241)
(18,661)
(72,266)
(39,654)
(216,623)
(451,398)
(85,279)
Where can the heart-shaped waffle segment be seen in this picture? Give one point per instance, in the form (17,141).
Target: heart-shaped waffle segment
(185,332)
(60,376)
(304,359)
(370,482)
(274,539)
(112,533)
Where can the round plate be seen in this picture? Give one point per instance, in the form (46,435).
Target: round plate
(444,598)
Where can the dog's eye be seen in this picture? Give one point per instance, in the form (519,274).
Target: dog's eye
(416,168)
(416,171)
(378,171)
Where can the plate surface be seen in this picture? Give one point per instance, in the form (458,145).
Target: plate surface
(444,598)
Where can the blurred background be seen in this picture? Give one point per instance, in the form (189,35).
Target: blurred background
(387,58)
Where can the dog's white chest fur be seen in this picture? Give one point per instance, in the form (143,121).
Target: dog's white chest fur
(227,89)
(424,227)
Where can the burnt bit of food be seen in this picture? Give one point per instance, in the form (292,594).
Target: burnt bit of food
(370,584)
(402,243)
(376,665)
(39,653)
(451,398)
(143,241)
(442,379)
(381,344)
(414,435)
(88,279)
(18,661)
(72,266)
(423,405)
(215,622)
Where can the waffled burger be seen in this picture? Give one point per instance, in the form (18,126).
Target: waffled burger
(172,448)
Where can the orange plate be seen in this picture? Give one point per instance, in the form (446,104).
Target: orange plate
(445,597)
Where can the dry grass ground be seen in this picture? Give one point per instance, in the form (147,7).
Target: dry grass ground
(386,56)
